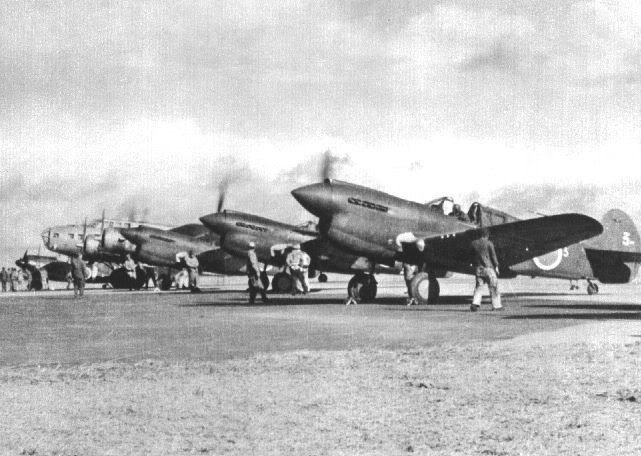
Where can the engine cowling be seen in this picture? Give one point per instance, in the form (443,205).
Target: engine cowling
(114,242)
(149,254)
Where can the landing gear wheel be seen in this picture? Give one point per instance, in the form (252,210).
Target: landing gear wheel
(593,288)
(424,289)
(322,278)
(282,283)
(164,282)
(362,288)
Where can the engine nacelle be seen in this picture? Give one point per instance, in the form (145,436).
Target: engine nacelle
(113,242)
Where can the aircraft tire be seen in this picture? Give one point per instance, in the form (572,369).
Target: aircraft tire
(322,278)
(164,282)
(593,289)
(362,288)
(282,283)
(420,286)
(434,291)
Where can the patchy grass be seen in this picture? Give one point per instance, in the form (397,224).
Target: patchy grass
(569,399)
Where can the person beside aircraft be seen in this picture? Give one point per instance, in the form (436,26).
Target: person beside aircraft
(305,261)
(253,275)
(4,276)
(192,264)
(486,268)
(78,275)
(409,272)
(130,267)
(293,262)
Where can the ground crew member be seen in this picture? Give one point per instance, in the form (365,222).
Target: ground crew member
(305,261)
(253,275)
(192,269)
(13,278)
(459,214)
(130,268)
(409,272)
(78,276)
(486,268)
(4,276)
(293,263)
(29,277)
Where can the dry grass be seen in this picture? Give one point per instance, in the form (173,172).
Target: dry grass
(569,399)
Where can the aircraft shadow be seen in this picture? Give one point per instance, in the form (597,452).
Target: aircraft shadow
(586,306)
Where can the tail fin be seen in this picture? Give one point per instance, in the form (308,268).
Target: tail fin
(615,255)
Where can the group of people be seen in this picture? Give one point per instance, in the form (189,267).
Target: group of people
(15,279)
(297,265)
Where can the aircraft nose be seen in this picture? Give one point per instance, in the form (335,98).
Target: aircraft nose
(215,222)
(131,234)
(316,198)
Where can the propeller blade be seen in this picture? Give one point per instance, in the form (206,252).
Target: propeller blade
(222,194)
(24,257)
(102,222)
(326,165)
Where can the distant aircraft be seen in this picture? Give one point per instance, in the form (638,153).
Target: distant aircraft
(164,248)
(385,229)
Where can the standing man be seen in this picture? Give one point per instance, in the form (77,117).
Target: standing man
(409,272)
(4,276)
(13,278)
(253,274)
(130,268)
(78,276)
(305,261)
(486,267)
(192,269)
(293,263)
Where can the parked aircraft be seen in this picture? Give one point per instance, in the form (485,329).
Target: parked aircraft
(385,229)
(274,240)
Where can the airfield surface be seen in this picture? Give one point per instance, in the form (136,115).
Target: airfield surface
(123,372)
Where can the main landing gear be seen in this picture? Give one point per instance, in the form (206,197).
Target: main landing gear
(593,288)
(362,288)
(282,283)
(322,278)
(425,288)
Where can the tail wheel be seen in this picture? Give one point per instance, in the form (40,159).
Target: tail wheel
(593,288)
(322,278)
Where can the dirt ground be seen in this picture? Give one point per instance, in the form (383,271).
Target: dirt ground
(556,374)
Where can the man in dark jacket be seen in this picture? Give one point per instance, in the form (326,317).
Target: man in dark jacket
(253,274)
(486,268)
(78,276)
(4,275)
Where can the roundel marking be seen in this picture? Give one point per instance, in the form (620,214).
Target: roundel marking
(549,261)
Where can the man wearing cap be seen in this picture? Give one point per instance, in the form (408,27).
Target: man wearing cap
(253,274)
(458,213)
(78,275)
(294,260)
(486,268)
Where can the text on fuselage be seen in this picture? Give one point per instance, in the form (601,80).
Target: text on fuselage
(367,204)
(251,227)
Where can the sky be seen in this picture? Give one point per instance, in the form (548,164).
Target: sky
(143,108)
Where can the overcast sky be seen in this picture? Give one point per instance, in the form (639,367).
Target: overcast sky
(147,106)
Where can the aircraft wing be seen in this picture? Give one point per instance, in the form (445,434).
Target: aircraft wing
(514,242)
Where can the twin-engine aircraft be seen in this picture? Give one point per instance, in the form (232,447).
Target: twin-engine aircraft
(386,229)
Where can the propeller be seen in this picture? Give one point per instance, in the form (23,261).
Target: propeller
(222,193)
(327,165)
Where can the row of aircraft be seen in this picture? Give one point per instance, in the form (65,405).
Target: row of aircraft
(364,232)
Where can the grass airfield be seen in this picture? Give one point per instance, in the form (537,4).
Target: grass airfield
(178,373)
